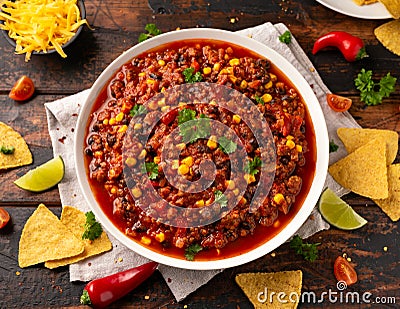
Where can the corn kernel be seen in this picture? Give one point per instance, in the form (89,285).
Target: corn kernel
(161,102)
(290,144)
(183,169)
(226,57)
(181,146)
(145,240)
(243,84)
(242,200)
(273,77)
(234,61)
(142,154)
(200,203)
(230,184)
(163,89)
(160,237)
(105,121)
(212,144)
(153,105)
(249,178)
(207,70)
(119,117)
(268,85)
(217,66)
(236,118)
(112,121)
(236,191)
(157,160)
(98,153)
(233,79)
(188,161)
(150,81)
(123,129)
(230,70)
(213,102)
(141,74)
(279,198)
(130,161)
(175,164)
(299,148)
(165,108)
(266,98)
(136,192)
(161,62)
(182,104)
(137,126)
(113,190)
(289,137)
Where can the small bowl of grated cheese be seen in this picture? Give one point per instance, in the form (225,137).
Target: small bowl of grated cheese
(42,26)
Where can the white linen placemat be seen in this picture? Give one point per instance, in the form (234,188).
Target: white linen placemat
(62,117)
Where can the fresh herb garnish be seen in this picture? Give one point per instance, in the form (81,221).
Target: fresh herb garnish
(252,167)
(259,100)
(151,169)
(285,37)
(332,146)
(93,228)
(226,145)
(308,251)
(372,93)
(192,250)
(190,76)
(138,109)
(193,130)
(220,199)
(7,150)
(152,30)
(186,114)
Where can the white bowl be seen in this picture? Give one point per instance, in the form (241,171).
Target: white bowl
(317,117)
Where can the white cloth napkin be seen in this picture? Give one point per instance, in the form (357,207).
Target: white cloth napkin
(62,116)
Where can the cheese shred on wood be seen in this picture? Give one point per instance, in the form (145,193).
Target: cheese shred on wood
(40,25)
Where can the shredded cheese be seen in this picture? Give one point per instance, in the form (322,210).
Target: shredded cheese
(40,25)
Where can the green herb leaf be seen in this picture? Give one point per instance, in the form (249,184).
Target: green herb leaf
(93,228)
(186,114)
(193,130)
(151,169)
(7,150)
(372,93)
(252,167)
(152,30)
(190,76)
(259,100)
(285,37)
(332,146)
(220,199)
(226,145)
(308,251)
(138,109)
(192,250)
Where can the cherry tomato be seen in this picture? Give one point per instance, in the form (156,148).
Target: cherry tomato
(4,217)
(344,271)
(22,90)
(338,103)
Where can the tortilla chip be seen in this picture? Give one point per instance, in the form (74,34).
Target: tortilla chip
(74,220)
(393,6)
(262,289)
(364,2)
(354,138)
(389,35)
(45,238)
(391,205)
(364,170)
(10,138)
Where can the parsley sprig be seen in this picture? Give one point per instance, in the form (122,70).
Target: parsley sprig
(192,250)
(193,130)
(93,228)
(372,93)
(152,30)
(252,167)
(332,146)
(285,37)
(308,251)
(137,110)
(226,145)
(220,199)
(7,150)
(151,169)
(190,76)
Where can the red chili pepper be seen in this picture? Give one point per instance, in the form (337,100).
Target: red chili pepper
(351,47)
(99,293)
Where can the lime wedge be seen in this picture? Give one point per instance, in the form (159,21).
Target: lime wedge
(338,213)
(43,177)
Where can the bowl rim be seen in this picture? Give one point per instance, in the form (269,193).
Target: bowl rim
(82,9)
(316,115)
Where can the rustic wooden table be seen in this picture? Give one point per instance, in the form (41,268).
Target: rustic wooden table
(117,26)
